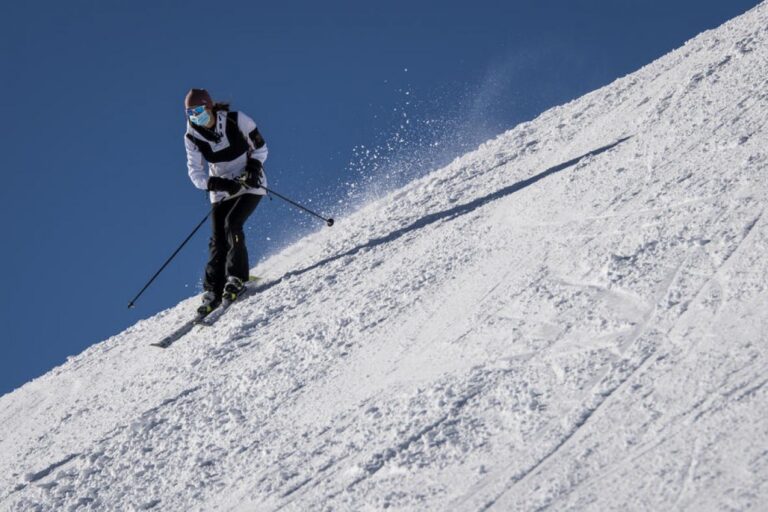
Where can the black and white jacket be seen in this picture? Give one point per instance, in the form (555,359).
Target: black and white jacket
(225,147)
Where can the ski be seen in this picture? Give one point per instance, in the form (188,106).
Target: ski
(180,332)
(250,289)
(209,319)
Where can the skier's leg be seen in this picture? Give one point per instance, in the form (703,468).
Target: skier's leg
(215,276)
(237,255)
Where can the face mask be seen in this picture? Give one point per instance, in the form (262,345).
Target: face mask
(200,119)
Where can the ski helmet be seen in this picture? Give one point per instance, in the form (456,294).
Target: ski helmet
(197,97)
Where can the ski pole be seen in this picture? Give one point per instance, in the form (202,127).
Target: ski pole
(328,221)
(133,302)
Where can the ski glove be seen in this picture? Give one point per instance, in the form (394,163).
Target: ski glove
(252,175)
(217,184)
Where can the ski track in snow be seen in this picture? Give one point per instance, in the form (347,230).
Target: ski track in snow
(571,317)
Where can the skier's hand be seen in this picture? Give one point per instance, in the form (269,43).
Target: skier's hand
(252,176)
(218,184)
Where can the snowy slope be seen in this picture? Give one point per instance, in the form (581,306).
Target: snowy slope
(573,316)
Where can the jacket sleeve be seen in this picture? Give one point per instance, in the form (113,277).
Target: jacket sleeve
(255,140)
(195,165)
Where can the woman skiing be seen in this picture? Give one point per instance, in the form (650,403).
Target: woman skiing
(234,150)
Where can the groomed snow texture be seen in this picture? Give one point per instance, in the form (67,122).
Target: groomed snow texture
(573,316)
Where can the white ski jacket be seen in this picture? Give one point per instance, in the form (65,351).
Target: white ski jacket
(225,147)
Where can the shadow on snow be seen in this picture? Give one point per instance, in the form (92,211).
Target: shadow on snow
(447,215)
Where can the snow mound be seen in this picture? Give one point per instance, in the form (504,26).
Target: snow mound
(572,316)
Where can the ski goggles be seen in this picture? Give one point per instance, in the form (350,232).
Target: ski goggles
(195,111)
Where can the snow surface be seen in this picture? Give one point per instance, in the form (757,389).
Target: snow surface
(560,319)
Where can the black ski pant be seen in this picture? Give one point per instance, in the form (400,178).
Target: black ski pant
(228,255)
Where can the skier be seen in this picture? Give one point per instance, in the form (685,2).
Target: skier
(230,143)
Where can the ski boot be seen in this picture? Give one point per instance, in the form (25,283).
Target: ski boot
(233,289)
(210,302)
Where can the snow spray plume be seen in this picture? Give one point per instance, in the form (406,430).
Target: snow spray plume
(416,145)
(429,131)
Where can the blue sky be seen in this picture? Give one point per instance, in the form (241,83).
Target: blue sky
(95,194)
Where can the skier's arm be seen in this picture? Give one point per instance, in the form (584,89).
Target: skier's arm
(195,165)
(255,140)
